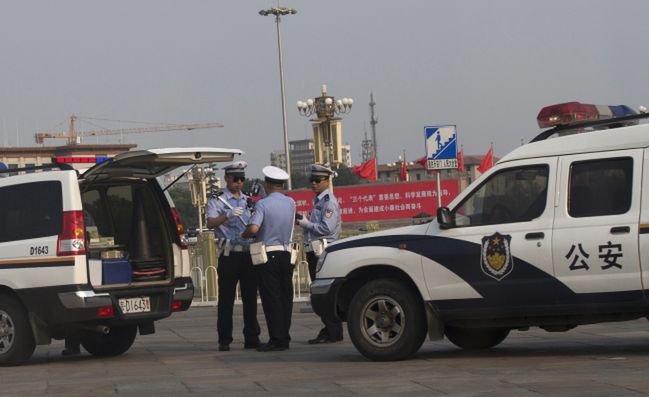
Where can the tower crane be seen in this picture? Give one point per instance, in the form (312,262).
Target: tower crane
(74,137)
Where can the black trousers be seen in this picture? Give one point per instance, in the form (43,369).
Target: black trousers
(233,269)
(275,279)
(333,329)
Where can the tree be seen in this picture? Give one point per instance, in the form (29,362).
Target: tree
(300,181)
(183,201)
(346,177)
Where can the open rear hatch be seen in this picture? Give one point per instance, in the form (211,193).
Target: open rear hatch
(129,225)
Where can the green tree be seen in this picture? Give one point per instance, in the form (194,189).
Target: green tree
(346,177)
(183,200)
(300,181)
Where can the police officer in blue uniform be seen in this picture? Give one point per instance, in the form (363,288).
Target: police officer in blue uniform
(272,224)
(235,266)
(322,227)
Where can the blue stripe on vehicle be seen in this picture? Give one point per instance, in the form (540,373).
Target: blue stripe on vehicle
(526,285)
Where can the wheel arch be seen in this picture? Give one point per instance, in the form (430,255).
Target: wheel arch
(362,275)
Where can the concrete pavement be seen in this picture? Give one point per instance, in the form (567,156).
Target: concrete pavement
(182,359)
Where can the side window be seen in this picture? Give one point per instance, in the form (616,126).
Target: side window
(30,210)
(511,195)
(600,187)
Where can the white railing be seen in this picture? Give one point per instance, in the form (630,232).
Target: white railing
(204,262)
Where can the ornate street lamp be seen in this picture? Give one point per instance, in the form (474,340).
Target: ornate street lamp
(327,128)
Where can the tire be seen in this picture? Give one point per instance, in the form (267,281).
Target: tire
(476,338)
(116,342)
(386,320)
(16,338)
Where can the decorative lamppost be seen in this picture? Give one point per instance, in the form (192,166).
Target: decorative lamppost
(277,12)
(327,126)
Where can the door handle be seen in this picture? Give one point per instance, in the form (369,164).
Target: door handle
(535,236)
(620,230)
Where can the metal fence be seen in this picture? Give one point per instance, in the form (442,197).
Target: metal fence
(204,260)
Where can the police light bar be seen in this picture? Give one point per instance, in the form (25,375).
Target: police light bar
(571,112)
(80,160)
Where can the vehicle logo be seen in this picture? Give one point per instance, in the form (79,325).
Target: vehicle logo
(496,259)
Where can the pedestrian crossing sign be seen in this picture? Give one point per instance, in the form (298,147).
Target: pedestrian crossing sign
(441,147)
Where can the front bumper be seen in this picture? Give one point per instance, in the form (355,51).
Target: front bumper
(324,297)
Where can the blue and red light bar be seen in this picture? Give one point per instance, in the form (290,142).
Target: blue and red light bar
(79,160)
(572,112)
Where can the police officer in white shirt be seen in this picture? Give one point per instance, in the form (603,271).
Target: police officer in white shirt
(272,224)
(235,265)
(322,227)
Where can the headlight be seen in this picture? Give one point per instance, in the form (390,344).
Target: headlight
(320,262)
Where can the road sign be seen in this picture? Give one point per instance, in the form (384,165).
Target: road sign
(441,147)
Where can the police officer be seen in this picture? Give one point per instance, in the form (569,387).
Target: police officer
(272,224)
(322,227)
(235,265)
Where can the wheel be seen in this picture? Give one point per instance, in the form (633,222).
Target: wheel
(386,320)
(16,338)
(116,342)
(476,338)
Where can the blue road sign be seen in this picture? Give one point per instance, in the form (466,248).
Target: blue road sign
(441,147)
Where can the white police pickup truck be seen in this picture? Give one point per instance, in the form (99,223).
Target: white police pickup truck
(555,235)
(92,257)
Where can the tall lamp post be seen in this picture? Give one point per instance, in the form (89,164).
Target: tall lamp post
(278,12)
(327,130)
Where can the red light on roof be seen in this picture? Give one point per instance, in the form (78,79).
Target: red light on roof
(566,113)
(83,160)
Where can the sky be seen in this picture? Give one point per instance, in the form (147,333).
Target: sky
(487,67)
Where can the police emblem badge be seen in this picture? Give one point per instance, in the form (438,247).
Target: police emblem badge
(328,213)
(496,260)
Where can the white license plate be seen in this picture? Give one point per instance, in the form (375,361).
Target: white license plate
(140,304)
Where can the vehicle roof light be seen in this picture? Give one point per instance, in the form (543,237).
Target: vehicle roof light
(84,159)
(572,112)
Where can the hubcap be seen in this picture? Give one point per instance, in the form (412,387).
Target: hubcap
(382,321)
(7,332)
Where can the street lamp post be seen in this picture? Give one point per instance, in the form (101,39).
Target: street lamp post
(277,12)
(326,108)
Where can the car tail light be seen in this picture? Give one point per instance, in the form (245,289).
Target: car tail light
(176,305)
(179,228)
(105,312)
(72,238)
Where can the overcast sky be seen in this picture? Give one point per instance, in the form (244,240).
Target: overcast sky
(486,66)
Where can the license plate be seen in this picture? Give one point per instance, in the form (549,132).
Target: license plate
(140,304)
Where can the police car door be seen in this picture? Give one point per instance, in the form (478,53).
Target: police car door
(501,242)
(596,226)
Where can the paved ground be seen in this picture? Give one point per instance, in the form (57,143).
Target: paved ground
(182,359)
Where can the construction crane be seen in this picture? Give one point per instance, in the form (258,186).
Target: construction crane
(74,137)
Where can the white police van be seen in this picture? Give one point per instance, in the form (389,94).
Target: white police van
(555,235)
(92,257)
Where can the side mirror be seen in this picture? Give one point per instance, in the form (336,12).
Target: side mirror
(444,218)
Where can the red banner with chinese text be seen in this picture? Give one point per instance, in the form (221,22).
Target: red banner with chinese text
(377,202)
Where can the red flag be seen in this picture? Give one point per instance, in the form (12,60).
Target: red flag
(422,160)
(403,174)
(366,170)
(460,161)
(487,161)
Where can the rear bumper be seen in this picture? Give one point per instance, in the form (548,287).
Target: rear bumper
(77,304)
(324,297)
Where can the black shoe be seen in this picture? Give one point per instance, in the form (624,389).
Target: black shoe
(323,339)
(271,347)
(251,345)
(224,348)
